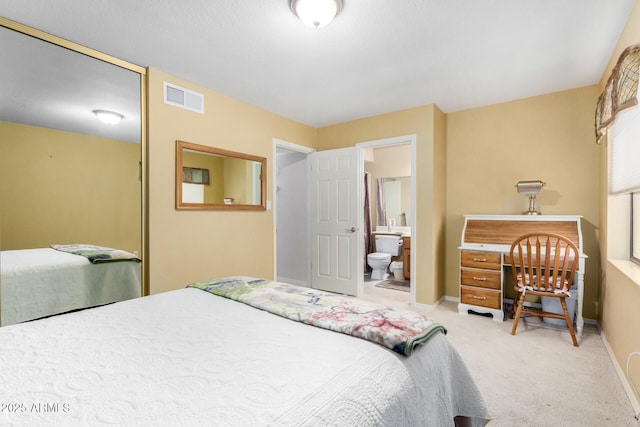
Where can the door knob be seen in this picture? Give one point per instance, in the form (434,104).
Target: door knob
(351,230)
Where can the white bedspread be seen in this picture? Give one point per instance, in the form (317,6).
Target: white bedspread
(188,357)
(41,282)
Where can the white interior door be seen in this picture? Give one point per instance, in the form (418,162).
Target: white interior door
(335,221)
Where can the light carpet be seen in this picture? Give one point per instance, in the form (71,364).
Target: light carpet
(537,377)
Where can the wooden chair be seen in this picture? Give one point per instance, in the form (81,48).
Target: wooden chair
(543,264)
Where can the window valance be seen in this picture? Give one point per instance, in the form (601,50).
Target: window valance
(621,90)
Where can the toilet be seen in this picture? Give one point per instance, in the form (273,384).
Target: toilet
(386,247)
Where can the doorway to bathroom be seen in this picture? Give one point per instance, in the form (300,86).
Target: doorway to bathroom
(389,205)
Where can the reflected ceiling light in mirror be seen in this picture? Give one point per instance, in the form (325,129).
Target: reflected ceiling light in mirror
(530,188)
(108,117)
(316,13)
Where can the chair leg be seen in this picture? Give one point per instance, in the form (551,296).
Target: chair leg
(520,303)
(569,322)
(515,303)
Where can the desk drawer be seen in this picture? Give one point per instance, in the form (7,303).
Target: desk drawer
(479,296)
(480,259)
(480,278)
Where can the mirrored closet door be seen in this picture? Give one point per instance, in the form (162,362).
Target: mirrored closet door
(66,177)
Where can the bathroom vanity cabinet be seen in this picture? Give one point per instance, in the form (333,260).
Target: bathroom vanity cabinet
(406,257)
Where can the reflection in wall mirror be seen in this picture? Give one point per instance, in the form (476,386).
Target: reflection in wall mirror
(394,201)
(66,177)
(209,178)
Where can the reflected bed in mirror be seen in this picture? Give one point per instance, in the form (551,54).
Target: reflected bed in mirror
(209,178)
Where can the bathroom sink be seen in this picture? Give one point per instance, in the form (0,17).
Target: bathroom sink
(395,230)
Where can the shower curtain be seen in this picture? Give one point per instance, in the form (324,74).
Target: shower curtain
(367,221)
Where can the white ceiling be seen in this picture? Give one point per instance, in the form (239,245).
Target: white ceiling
(377,56)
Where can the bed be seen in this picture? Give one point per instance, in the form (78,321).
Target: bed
(188,357)
(45,281)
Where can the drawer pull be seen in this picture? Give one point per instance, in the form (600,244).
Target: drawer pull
(480,279)
(479,259)
(477,297)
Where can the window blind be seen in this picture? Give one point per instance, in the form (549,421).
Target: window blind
(624,152)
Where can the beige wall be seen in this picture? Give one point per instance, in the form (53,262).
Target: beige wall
(428,124)
(187,246)
(620,293)
(63,187)
(547,137)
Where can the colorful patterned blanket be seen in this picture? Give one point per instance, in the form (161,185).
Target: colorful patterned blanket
(401,331)
(97,254)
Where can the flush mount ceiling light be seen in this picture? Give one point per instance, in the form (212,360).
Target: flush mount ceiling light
(108,117)
(316,13)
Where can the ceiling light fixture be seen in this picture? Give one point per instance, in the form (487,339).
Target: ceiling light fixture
(108,117)
(316,13)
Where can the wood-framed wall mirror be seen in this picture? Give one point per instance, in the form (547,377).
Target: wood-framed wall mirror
(209,178)
(70,178)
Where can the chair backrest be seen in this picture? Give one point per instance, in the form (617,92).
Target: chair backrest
(545,262)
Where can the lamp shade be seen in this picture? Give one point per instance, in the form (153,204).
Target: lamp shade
(529,187)
(316,13)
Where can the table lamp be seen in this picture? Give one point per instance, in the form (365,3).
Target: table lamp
(531,188)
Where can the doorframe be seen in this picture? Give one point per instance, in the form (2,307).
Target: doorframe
(387,142)
(279,143)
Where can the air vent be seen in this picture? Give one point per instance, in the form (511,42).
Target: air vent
(183,98)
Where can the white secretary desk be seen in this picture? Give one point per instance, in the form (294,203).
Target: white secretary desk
(484,252)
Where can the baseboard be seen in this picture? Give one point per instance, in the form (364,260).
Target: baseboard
(635,403)
(430,307)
